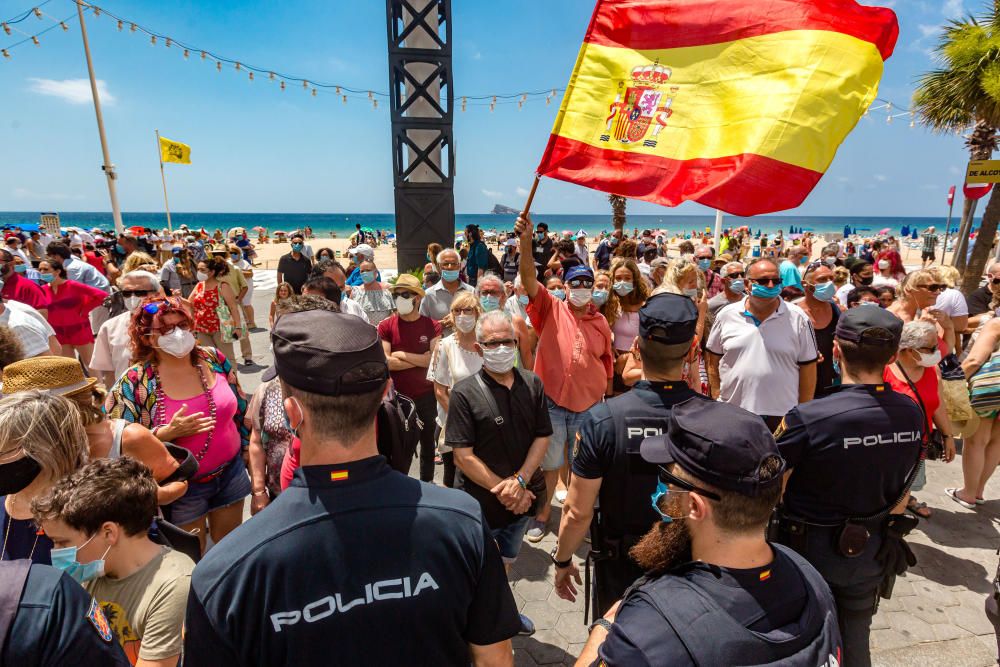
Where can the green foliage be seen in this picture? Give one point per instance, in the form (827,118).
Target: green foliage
(419,273)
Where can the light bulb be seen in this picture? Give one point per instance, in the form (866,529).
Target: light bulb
(38,12)
(4,52)
(345,99)
(152,40)
(186,54)
(251,76)
(121,25)
(314,92)
(63,25)
(6,28)
(131,27)
(34,40)
(218,65)
(282,85)
(168,42)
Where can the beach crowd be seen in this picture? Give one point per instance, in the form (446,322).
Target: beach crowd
(666,394)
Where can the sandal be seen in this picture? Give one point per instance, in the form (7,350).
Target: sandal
(953,494)
(918,509)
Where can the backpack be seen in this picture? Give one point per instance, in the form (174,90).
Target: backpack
(398,430)
(493,264)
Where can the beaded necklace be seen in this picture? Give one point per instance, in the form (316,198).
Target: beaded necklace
(161,406)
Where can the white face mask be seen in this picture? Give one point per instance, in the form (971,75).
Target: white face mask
(177,343)
(499,360)
(132,302)
(580,296)
(404,306)
(201,276)
(929,360)
(465,323)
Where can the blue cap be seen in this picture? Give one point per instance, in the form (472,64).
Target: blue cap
(668,318)
(576,272)
(717,443)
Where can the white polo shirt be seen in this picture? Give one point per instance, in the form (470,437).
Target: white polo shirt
(759,370)
(113,346)
(31,328)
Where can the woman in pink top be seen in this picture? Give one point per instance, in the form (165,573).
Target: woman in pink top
(190,396)
(69,309)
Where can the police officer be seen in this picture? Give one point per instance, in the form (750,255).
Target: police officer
(50,621)
(354,563)
(853,455)
(716,592)
(606,461)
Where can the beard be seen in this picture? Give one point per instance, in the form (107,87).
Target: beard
(665,546)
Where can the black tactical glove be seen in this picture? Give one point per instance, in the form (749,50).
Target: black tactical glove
(895,554)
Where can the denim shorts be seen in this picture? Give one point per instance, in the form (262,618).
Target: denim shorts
(201,498)
(510,538)
(565,424)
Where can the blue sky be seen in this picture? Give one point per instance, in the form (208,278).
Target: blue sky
(257,149)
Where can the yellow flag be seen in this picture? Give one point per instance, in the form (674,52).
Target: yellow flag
(174,151)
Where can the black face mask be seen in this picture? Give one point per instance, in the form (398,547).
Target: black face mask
(17,475)
(866,281)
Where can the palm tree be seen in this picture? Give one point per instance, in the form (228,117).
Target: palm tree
(965,91)
(617,211)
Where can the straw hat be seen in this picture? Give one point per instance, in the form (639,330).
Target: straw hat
(406,281)
(57,375)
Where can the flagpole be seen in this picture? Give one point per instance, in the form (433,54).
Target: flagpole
(108,168)
(163,177)
(531,194)
(718,231)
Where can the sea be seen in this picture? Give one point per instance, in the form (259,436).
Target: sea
(343,224)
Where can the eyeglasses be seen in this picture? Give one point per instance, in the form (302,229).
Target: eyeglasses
(586,283)
(995,281)
(934,287)
(769,282)
(734,276)
(491,292)
(464,311)
(135,292)
(405,294)
(494,344)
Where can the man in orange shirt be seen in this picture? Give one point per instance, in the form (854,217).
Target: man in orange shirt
(573,359)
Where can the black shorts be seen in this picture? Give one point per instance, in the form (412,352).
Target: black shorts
(924,256)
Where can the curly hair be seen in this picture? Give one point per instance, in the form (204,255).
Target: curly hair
(184,264)
(11,349)
(135,260)
(144,323)
(217,265)
(627,248)
(640,291)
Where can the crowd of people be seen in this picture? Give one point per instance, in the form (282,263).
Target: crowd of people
(667,398)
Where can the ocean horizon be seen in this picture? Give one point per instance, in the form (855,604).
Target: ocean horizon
(343,224)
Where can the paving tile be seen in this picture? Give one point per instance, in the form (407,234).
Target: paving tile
(888,639)
(927,612)
(972,620)
(570,625)
(547,647)
(542,613)
(533,590)
(946,631)
(911,627)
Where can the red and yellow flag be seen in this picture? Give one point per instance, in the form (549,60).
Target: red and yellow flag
(737,104)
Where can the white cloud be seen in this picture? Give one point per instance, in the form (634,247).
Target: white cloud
(843,179)
(953,9)
(492,194)
(477,56)
(521,192)
(928,30)
(25,193)
(881,178)
(74,91)
(955,171)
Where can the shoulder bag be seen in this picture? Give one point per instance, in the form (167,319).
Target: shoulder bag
(934,441)
(984,387)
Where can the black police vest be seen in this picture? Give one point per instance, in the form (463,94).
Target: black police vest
(626,512)
(713,637)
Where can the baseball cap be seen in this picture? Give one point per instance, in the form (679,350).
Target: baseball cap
(857,324)
(408,282)
(668,318)
(317,350)
(577,271)
(718,443)
(362,249)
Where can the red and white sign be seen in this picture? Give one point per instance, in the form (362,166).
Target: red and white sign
(951,196)
(976,190)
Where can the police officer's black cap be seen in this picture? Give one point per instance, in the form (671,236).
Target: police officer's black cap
(720,444)
(870,325)
(323,352)
(668,318)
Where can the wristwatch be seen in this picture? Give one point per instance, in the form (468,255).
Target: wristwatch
(559,563)
(603,622)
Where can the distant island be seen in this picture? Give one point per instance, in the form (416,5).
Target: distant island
(500,209)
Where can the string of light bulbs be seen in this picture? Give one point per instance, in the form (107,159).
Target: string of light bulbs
(344,92)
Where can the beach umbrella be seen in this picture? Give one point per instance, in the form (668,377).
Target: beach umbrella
(884,232)
(136,229)
(236,231)
(914,234)
(905,231)
(259,229)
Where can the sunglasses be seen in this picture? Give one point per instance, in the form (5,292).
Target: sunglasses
(494,344)
(135,292)
(661,496)
(738,274)
(405,294)
(582,282)
(934,287)
(769,282)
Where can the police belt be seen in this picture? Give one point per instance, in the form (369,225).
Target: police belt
(610,549)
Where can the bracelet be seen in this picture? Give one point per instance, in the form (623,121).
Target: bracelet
(602,622)
(262,492)
(520,481)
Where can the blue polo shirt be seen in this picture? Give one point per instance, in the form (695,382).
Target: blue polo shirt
(353,564)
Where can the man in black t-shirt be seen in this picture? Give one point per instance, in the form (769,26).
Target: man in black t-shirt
(716,592)
(354,563)
(498,426)
(294,267)
(542,248)
(851,455)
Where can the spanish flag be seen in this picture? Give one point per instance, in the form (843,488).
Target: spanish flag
(737,104)
(174,151)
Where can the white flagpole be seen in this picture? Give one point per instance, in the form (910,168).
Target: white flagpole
(163,177)
(718,232)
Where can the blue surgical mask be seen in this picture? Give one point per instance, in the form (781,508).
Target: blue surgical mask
(824,291)
(661,490)
(559,294)
(235,256)
(623,288)
(65,560)
(690,292)
(762,292)
(48,277)
(297,247)
(704,264)
(613,241)
(367,277)
(600,297)
(20,268)
(489,303)
(523,299)
(738,286)
(449,275)
(119,248)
